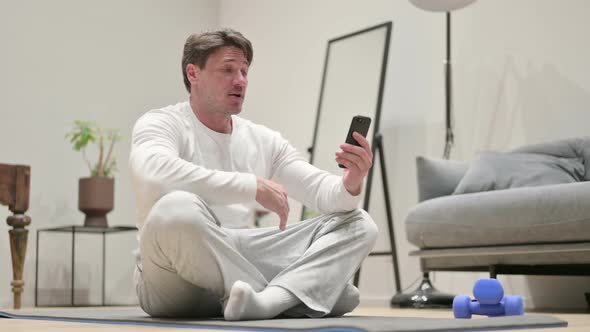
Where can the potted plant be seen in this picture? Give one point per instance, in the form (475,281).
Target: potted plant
(96,194)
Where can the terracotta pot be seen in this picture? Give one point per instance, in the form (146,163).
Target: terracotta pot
(96,198)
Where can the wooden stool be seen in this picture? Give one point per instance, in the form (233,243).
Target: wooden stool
(14,192)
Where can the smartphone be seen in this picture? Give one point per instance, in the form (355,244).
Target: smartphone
(361,125)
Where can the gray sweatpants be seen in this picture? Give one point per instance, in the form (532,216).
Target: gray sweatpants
(189,262)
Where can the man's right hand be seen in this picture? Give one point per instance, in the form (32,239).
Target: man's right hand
(273,196)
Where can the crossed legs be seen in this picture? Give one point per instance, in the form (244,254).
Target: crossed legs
(192,267)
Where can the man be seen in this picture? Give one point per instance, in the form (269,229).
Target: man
(198,169)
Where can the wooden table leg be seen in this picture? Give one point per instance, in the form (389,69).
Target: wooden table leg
(15,183)
(18,248)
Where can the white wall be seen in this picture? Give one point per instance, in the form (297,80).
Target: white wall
(520,77)
(63,60)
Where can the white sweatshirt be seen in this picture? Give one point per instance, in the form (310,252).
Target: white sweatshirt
(172,150)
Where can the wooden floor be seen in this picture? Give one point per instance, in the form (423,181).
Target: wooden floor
(578,322)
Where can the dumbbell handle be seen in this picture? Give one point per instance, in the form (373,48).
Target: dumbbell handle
(477,308)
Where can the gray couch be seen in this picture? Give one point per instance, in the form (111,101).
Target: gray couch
(537,227)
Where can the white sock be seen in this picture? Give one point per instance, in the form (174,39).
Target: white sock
(244,303)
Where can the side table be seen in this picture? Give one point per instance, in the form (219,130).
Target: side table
(73,230)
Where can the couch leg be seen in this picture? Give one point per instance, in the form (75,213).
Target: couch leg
(493,272)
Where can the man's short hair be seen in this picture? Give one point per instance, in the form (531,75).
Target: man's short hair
(199,47)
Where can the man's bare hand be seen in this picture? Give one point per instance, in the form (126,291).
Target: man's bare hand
(358,160)
(273,196)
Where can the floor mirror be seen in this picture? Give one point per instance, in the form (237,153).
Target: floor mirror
(353,82)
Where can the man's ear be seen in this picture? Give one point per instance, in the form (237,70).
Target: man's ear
(193,73)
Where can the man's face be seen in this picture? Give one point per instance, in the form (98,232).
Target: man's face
(221,85)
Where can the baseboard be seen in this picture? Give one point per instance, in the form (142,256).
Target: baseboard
(111,301)
(369,301)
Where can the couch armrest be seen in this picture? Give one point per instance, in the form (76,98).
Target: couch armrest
(438,177)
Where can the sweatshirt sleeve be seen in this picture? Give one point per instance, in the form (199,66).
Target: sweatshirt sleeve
(157,168)
(315,188)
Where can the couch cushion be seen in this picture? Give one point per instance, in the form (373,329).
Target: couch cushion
(438,177)
(578,147)
(498,170)
(547,214)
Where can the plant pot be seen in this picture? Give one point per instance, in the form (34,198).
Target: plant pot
(96,198)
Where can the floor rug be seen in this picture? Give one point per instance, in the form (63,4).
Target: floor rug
(135,316)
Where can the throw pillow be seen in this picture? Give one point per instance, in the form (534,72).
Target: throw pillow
(496,170)
(438,177)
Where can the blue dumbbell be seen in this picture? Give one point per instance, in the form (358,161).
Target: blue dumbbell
(489,301)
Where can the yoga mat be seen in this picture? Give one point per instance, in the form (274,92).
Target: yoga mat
(135,316)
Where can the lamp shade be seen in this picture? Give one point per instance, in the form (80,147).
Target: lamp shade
(441,5)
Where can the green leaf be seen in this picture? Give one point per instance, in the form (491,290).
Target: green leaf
(84,133)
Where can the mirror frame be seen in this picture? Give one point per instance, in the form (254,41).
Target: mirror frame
(376,119)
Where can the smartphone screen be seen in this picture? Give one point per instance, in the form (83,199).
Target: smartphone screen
(361,125)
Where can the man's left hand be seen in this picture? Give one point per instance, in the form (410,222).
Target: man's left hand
(358,160)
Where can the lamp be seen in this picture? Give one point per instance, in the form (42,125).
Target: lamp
(426,295)
(445,6)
